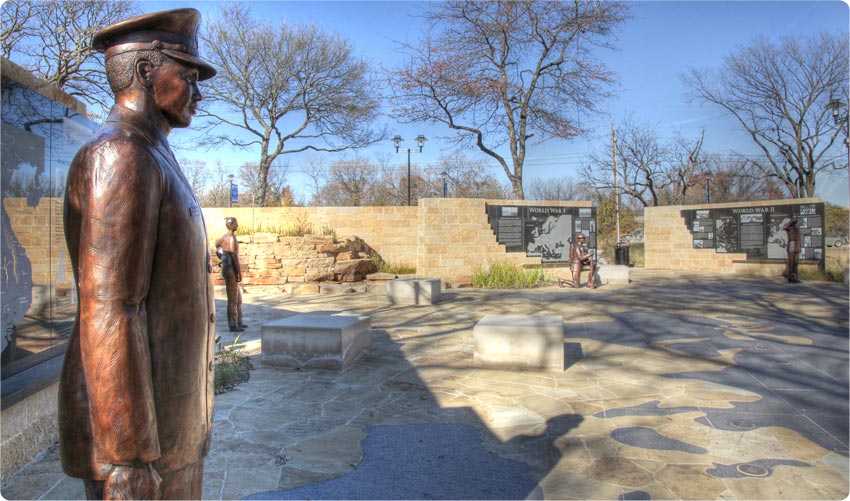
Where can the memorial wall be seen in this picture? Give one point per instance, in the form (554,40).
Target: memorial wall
(540,231)
(740,237)
(447,238)
(757,231)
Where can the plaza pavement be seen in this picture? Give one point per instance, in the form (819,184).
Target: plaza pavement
(678,386)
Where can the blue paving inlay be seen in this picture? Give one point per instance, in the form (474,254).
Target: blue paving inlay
(422,461)
(635,495)
(732,471)
(647,438)
(803,387)
(646,409)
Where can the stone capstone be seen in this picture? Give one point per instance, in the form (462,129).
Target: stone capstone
(318,341)
(423,291)
(519,341)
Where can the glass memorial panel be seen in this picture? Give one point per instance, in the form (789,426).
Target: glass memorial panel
(39,139)
(542,231)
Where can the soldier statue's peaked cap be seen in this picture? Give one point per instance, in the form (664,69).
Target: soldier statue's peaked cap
(173,32)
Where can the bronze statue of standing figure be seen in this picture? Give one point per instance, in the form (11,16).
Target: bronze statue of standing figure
(227,248)
(136,388)
(792,249)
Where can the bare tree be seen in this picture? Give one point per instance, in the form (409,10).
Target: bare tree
(778,92)
(642,164)
(315,170)
(17,21)
(651,170)
(559,188)
(468,178)
(218,192)
(196,171)
(349,183)
(686,165)
(391,182)
(501,72)
(53,40)
(284,89)
(732,181)
(278,191)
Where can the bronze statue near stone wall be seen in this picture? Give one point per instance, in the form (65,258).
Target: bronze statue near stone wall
(227,248)
(136,394)
(580,257)
(792,249)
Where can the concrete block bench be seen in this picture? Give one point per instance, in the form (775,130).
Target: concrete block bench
(519,342)
(613,274)
(316,341)
(414,291)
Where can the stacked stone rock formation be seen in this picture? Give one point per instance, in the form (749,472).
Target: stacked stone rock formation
(301,263)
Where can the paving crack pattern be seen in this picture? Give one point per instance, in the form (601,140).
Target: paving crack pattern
(678,386)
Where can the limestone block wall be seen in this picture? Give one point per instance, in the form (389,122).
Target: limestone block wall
(668,244)
(390,231)
(29,427)
(269,259)
(446,238)
(455,238)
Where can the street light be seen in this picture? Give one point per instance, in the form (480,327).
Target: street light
(840,119)
(835,106)
(708,187)
(420,140)
(445,184)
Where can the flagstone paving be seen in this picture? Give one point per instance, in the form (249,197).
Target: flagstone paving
(677,386)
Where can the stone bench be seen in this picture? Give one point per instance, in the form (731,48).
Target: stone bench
(613,274)
(316,341)
(414,291)
(519,342)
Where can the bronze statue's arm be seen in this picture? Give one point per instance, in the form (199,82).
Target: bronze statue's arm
(237,266)
(116,249)
(578,252)
(792,219)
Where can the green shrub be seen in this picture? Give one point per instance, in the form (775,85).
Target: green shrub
(232,367)
(508,276)
(393,269)
(636,255)
(298,227)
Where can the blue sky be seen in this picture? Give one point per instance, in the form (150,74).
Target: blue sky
(661,41)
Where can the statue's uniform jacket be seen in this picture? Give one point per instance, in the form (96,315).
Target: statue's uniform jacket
(137,381)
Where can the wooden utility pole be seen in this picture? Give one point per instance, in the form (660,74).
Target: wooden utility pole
(616,188)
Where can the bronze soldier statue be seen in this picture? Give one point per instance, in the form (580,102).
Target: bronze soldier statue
(792,249)
(136,390)
(227,248)
(580,256)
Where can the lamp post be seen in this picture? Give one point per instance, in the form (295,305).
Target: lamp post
(840,119)
(420,140)
(708,187)
(445,176)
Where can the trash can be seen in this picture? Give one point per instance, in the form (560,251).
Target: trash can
(621,254)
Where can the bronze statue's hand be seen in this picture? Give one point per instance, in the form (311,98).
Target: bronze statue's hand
(209,268)
(132,482)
